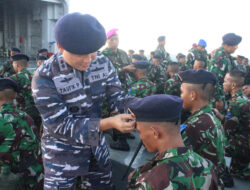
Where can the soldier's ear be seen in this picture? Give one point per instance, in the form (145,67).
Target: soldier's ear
(156,132)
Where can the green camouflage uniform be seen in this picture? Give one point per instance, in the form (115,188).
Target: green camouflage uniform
(24,98)
(183,67)
(119,59)
(7,70)
(20,160)
(142,88)
(157,74)
(205,134)
(220,64)
(195,54)
(165,55)
(173,86)
(237,130)
(178,168)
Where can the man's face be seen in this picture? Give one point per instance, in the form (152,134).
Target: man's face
(79,62)
(186,96)
(182,60)
(156,61)
(141,53)
(162,43)
(113,42)
(230,49)
(12,53)
(147,136)
(239,60)
(227,84)
(200,48)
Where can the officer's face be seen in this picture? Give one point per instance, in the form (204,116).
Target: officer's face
(79,62)
(186,96)
(227,85)
(113,42)
(147,136)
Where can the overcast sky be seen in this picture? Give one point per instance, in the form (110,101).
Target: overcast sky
(183,22)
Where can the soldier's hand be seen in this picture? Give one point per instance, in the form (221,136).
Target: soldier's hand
(218,114)
(124,123)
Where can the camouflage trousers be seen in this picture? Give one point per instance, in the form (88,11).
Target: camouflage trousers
(96,179)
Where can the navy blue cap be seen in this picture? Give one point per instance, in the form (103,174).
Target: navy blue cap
(157,108)
(202,43)
(157,56)
(20,56)
(200,76)
(7,83)
(15,49)
(42,50)
(42,58)
(137,57)
(161,38)
(231,39)
(141,64)
(80,33)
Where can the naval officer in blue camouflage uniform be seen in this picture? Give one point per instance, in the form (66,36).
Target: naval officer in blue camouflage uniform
(68,90)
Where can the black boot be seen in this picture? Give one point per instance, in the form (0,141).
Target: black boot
(227,179)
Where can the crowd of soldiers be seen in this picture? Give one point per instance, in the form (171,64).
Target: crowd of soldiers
(200,102)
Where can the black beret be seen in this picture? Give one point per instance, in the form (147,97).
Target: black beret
(41,58)
(161,38)
(157,56)
(141,64)
(231,39)
(20,56)
(180,55)
(42,50)
(7,83)
(200,76)
(157,108)
(137,57)
(80,33)
(15,49)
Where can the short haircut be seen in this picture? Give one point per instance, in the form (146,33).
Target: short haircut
(238,77)
(7,95)
(174,67)
(201,63)
(205,91)
(22,62)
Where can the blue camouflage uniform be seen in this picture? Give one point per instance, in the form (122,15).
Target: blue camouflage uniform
(70,103)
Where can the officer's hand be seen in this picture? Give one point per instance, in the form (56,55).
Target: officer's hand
(124,123)
(220,105)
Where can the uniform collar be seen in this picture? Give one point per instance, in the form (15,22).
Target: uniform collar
(173,152)
(205,109)
(7,106)
(238,93)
